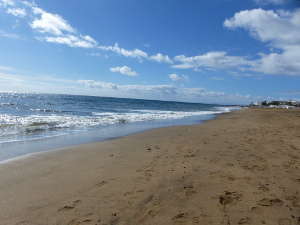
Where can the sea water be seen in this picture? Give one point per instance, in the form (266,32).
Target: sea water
(37,122)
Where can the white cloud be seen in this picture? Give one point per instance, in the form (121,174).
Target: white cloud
(4,3)
(286,63)
(268,26)
(201,60)
(89,39)
(71,40)
(98,84)
(135,89)
(202,92)
(51,23)
(136,53)
(7,78)
(15,36)
(176,78)
(169,92)
(17,12)
(150,89)
(7,68)
(95,54)
(197,69)
(55,29)
(281,30)
(209,60)
(124,70)
(161,58)
(185,77)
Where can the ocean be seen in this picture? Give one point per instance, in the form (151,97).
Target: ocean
(31,123)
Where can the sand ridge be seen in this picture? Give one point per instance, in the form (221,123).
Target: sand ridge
(241,168)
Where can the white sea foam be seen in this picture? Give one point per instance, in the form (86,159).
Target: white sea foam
(26,117)
(43,122)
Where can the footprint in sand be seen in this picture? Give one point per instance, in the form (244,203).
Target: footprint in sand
(180,215)
(246,220)
(69,207)
(229,197)
(270,202)
(189,190)
(263,188)
(184,218)
(297,180)
(216,160)
(188,193)
(27,222)
(77,222)
(144,214)
(101,183)
(296,203)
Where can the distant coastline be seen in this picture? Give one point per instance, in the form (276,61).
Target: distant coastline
(277,104)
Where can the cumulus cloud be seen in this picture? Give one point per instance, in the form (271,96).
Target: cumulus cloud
(267,26)
(54,28)
(17,12)
(136,53)
(161,58)
(150,89)
(210,60)
(170,92)
(52,24)
(124,70)
(98,84)
(95,54)
(5,3)
(202,92)
(62,31)
(281,30)
(176,78)
(72,41)
(286,63)
(8,35)
(136,89)
(51,27)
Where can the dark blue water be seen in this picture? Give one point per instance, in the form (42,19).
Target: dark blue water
(37,122)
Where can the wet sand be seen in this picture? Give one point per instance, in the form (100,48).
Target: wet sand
(240,168)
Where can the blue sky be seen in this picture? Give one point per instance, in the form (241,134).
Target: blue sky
(210,51)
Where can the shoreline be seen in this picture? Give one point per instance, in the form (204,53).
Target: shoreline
(240,168)
(16,150)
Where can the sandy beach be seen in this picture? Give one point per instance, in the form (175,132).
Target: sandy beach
(241,168)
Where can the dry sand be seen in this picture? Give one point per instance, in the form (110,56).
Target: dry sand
(241,168)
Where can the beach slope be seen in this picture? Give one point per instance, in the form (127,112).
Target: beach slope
(240,168)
